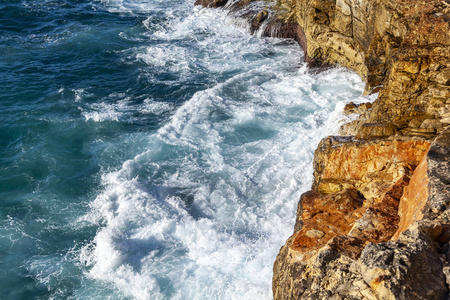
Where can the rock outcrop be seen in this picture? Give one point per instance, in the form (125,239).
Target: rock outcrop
(376,224)
(391,244)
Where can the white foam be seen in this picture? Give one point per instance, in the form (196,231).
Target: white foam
(100,112)
(203,212)
(168,56)
(115,107)
(156,108)
(126,6)
(79,93)
(246,193)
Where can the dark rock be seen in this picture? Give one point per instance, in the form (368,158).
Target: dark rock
(211,3)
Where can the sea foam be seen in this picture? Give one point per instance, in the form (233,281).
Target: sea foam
(203,211)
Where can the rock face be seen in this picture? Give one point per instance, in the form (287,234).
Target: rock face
(376,224)
(370,166)
(389,243)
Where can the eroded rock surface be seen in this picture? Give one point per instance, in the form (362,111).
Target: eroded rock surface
(370,166)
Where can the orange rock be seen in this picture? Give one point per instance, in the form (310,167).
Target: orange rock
(354,160)
(344,220)
(324,217)
(380,222)
(347,163)
(414,198)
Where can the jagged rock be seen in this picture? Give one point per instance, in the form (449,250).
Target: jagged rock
(438,172)
(414,198)
(352,108)
(365,263)
(371,130)
(380,221)
(395,270)
(257,20)
(211,3)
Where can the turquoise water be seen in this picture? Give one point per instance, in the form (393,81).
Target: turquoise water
(151,149)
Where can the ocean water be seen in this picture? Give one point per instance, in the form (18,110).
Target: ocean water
(151,149)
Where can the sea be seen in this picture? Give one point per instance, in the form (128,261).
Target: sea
(152,149)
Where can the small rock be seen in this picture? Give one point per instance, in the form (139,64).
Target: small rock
(352,108)
(431,124)
(368,294)
(415,123)
(314,233)
(361,284)
(444,77)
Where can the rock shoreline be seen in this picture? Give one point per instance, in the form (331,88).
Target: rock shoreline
(376,223)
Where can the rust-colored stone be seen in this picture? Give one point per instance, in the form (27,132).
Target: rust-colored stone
(356,163)
(380,222)
(414,198)
(324,217)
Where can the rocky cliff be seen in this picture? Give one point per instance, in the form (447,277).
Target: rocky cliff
(376,224)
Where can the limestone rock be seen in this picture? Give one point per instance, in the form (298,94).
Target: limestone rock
(376,258)
(438,173)
(341,163)
(380,221)
(395,270)
(414,198)
(371,130)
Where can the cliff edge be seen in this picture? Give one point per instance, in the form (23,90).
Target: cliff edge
(376,223)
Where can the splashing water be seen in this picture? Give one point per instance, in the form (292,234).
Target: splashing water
(188,148)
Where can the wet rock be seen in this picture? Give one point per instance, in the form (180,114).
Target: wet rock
(257,21)
(211,3)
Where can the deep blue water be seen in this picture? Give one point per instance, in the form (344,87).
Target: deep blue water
(151,150)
